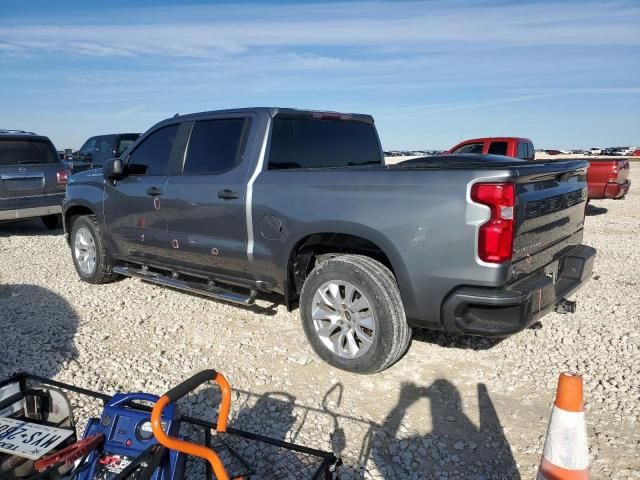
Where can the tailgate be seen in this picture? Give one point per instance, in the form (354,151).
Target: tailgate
(29,180)
(551,202)
(28,167)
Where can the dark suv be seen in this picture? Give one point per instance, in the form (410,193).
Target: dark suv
(100,148)
(32,178)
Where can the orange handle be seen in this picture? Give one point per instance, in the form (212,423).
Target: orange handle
(191,448)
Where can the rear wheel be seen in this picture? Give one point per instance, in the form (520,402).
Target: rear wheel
(90,256)
(52,222)
(352,314)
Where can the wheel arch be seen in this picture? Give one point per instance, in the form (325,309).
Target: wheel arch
(304,254)
(71,212)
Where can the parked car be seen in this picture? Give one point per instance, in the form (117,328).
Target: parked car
(635,153)
(594,151)
(32,178)
(509,146)
(624,151)
(97,149)
(607,178)
(232,203)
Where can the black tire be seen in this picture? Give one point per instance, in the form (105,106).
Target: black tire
(378,285)
(52,222)
(102,273)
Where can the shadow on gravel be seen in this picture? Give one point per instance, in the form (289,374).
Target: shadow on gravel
(31,227)
(593,211)
(465,342)
(455,446)
(37,329)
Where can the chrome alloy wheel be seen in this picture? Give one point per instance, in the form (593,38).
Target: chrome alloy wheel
(84,249)
(343,319)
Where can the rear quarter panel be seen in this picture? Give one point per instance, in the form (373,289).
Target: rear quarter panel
(599,174)
(423,221)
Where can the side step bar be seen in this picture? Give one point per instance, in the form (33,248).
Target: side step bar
(193,287)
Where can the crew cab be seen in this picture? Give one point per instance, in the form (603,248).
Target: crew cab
(32,178)
(100,148)
(233,203)
(515,147)
(606,177)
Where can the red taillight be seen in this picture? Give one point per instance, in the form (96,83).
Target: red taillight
(495,240)
(62,176)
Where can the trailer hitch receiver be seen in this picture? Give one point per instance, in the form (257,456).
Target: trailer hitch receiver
(566,306)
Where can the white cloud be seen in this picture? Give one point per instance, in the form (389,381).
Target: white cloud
(407,26)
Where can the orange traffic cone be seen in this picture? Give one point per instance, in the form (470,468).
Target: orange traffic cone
(565,455)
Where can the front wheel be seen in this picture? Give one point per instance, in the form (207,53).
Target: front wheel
(90,256)
(352,314)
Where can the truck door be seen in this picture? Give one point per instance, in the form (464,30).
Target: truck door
(206,203)
(134,207)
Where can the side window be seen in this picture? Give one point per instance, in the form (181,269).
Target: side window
(152,156)
(531,153)
(522,151)
(498,148)
(104,149)
(215,146)
(470,148)
(123,145)
(86,151)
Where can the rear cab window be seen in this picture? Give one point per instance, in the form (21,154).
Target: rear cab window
(34,151)
(215,146)
(470,148)
(124,142)
(301,143)
(498,148)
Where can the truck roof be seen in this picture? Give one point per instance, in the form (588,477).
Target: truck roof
(8,131)
(273,111)
(499,139)
(6,134)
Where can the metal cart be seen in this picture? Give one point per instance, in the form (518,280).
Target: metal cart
(207,450)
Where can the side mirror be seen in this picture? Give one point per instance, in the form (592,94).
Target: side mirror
(113,169)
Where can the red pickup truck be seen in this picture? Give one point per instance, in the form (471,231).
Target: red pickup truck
(606,177)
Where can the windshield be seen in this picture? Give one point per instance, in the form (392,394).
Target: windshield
(22,152)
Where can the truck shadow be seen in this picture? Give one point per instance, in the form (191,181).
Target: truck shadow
(37,329)
(450,340)
(31,227)
(455,446)
(592,210)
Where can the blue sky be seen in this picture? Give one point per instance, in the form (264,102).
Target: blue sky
(566,74)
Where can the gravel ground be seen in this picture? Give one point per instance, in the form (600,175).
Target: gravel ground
(453,407)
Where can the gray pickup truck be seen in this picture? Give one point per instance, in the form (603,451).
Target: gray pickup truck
(232,203)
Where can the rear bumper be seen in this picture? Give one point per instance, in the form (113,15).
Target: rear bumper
(6,215)
(30,207)
(612,190)
(616,190)
(500,312)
